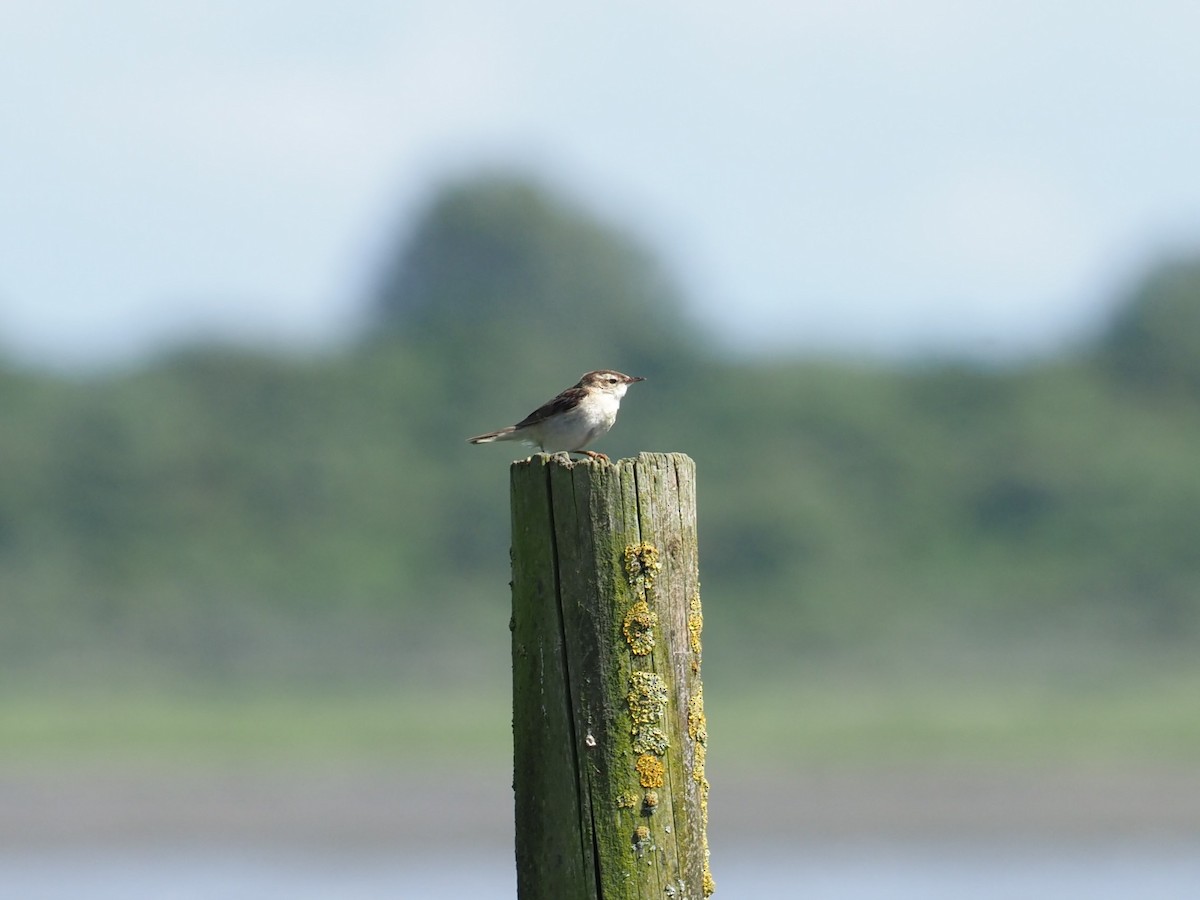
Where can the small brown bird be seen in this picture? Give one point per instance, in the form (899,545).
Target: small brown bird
(573,419)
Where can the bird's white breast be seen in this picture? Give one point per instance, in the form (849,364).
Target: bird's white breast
(582,425)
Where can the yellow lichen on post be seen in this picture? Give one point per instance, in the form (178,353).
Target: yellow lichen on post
(641,840)
(650,771)
(638,628)
(642,566)
(647,698)
(650,739)
(695,623)
(698,732)
(647,702)
(697,725)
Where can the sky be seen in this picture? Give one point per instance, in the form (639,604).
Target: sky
(849,176)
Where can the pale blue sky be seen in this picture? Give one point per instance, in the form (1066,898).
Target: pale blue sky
(850,175)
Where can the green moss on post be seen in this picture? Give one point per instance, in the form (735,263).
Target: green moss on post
(608,723)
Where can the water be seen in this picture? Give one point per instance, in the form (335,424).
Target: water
(849,870)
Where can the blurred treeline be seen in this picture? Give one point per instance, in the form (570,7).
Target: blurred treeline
(228,516)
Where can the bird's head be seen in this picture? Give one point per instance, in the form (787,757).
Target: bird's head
(608,381)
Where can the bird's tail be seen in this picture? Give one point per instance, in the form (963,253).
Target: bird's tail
(504,434)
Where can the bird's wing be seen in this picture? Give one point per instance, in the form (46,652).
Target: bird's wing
(564,402)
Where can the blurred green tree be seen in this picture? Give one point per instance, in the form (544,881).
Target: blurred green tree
(503,280)
(1153,342)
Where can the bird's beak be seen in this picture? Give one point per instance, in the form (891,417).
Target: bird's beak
(633,378)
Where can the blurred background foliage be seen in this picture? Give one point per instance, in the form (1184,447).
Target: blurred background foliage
(229,520)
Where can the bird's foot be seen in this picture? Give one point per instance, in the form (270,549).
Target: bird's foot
(592,454)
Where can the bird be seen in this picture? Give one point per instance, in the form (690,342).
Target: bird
(573,419)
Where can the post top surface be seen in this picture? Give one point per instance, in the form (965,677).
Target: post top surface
(642,459)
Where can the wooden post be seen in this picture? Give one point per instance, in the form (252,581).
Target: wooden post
(608,714)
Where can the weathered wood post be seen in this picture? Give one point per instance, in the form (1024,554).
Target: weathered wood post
(608,713)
